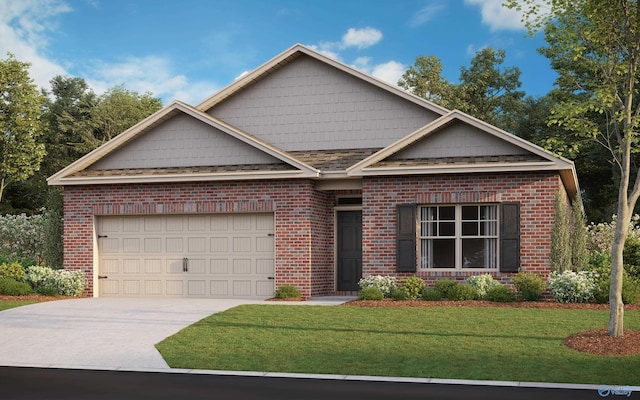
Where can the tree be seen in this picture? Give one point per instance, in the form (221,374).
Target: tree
(594,46)
(485,90)
(425,79)
(20,127)
(116,110)
(489,92)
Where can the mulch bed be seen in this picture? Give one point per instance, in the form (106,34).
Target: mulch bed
(35,297)
(596,342)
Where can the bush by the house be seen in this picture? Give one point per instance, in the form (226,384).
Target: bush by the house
(412,287)
(22,236)
(385,284)
(48,281)
(11,287)
(530,286)
(572,287)
(630,290)
(430,294)
(287,292)
(444,287)
(500,293)
(13,270)
(463,291)
(398,294)
(370,293)
(481,283)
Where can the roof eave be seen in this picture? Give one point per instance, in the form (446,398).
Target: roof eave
(227,176)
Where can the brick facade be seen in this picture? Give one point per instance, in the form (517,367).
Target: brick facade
(304,218)
(534,191)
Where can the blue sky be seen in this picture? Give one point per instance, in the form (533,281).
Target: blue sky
(188,49)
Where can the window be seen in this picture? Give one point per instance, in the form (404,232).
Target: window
(459,236)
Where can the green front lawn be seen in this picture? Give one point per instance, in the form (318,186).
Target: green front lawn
(6,304)
(513,344)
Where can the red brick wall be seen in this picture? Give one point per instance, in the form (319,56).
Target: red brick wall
(301,214)
(534,191)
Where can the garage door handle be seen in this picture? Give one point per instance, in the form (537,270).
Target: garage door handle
(102,277)
(185,264)
(271,277)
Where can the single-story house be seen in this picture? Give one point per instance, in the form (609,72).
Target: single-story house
(307,172)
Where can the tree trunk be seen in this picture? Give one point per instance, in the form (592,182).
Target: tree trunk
(616,307)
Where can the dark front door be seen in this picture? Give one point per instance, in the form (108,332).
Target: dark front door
(349,242)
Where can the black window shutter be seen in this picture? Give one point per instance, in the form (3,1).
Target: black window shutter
(406,238)
(509,237)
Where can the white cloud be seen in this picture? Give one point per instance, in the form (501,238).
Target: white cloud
(361,38)
(148,74)
(498,17)
(24,26)
(425,14)
(390,72)
(325,49)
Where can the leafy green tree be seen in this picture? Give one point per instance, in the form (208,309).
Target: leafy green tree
(424,79)
(20,126)
(489,92)
(594,46)
(116,110)
(485,91)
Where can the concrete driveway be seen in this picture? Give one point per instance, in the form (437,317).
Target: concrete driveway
(99,332)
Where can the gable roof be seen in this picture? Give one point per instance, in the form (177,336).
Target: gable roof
(526,156)
(293,53)
(79,172)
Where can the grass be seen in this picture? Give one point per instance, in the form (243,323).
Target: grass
(7,304)
(438,342)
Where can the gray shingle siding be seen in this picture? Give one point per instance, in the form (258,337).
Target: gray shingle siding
(309,105)
(183,142)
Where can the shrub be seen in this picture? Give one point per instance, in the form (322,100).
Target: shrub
(444,287)
(398,294)
(59,282)
(287,292)
(530,286)
(500,293)
(370,293)
(481,283)
(572,287)
(14,270)
(11,287)
(385,284)
(412,287)
(463,291)
(630,290)
(22,236)
(431,295)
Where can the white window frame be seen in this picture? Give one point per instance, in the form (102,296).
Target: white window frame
(458,237)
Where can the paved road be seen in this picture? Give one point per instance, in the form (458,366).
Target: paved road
(63,384)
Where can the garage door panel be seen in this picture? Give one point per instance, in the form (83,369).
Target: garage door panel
(219,266)
(197,266)
(242,245)
(264,266)
(197,245)
(242,288)
(131,245)
(153,245)
(197,288)
(153,266)
(131,287)
(110,245)
(175,287)
(229,255)
(131,266)
(219,288)
(174,245)
(219,245)
(153,287)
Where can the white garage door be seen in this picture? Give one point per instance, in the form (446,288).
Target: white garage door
(220,255)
